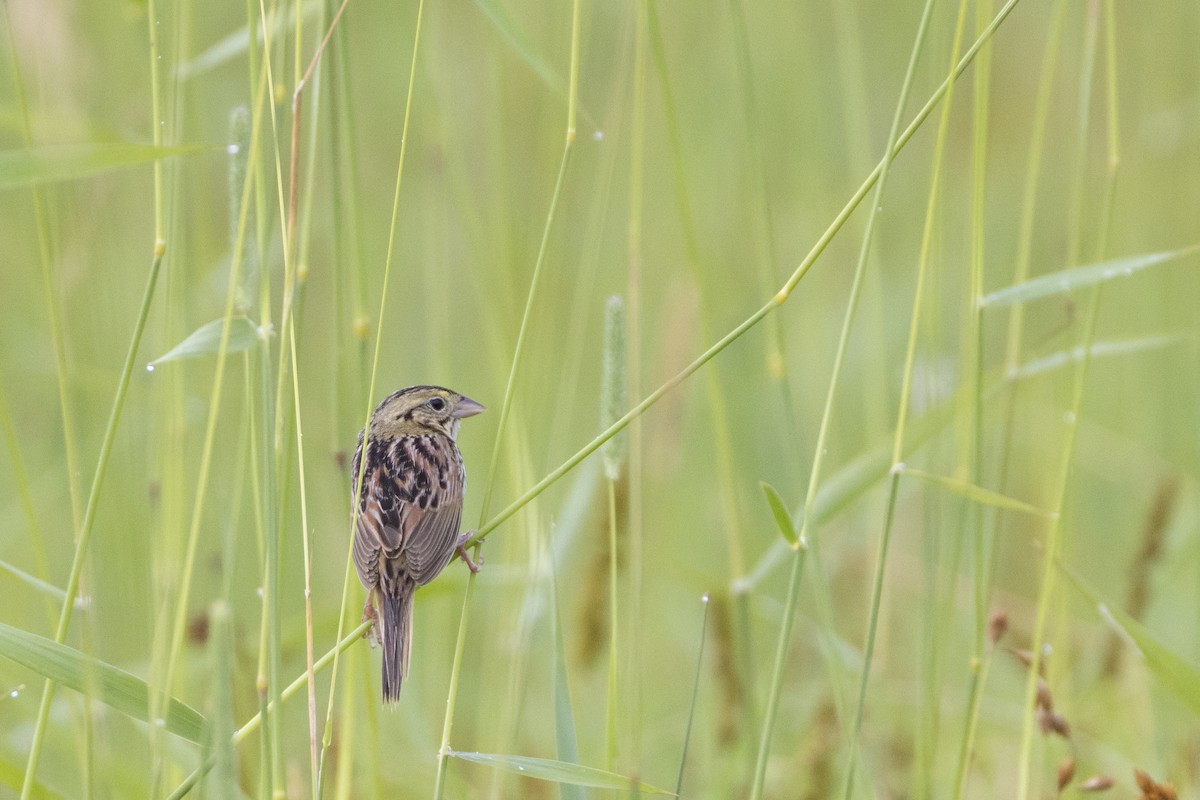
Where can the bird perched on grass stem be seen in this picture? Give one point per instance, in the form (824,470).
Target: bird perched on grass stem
(409,507)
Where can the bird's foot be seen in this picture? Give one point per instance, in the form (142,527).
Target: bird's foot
(370,615)
(461,548)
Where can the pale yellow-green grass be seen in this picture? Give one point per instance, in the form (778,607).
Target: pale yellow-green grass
(841,372)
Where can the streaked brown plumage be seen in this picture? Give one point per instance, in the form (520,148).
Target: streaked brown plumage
(408,510)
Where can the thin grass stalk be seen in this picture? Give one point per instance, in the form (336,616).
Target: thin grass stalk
(347,312)
(775,302)
(1057,532)
(687,731)
(1074,222)
(1053,547)
(1012,356)
(267,505)
(224,763)
(856,107)
(274,419)
(304,536)
(366,415)
(266,681)
(1037,144)
(86,526)
(295,274)
(506,403)
(611,702)
(633,296)
(981,656)
(343,786)
(806,536)
(906,385)
(327,735)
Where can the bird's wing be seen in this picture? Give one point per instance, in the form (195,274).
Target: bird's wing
(409,510)
(433,513)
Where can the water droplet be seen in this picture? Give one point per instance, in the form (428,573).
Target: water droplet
(233,149)
(259,591)
(14,693)
(598,136)
(149,368)
(1069,417)
(704,597)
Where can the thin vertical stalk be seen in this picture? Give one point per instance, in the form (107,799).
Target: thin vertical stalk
(981,657)
(294,275)
(304,531)
(807,531)
(1057,531)
(1037,145)
(633,372)
(327,737)
(905,398)
(506,404)
(611,702)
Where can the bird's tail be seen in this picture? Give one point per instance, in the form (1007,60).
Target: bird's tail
(396,639)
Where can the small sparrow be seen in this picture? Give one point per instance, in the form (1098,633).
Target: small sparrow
(409,509)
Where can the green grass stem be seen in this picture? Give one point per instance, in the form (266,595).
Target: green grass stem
(906,386)
(509,390)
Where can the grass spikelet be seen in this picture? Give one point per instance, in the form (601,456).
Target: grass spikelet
(613,383)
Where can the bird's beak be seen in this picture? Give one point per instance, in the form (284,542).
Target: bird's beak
(466,407)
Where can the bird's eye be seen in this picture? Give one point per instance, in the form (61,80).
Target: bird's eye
(437,404)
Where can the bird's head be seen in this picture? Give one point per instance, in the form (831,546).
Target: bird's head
(421,410)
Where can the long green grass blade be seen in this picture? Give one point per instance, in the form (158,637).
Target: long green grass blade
(206,340)
(41,165)
(116,688)
(978,494)
(546,769)
(1113,347)
(1070,280)
(1178,676)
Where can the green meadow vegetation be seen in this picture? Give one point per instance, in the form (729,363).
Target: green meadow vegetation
(841,364)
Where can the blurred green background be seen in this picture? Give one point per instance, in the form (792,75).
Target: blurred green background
(715,143)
